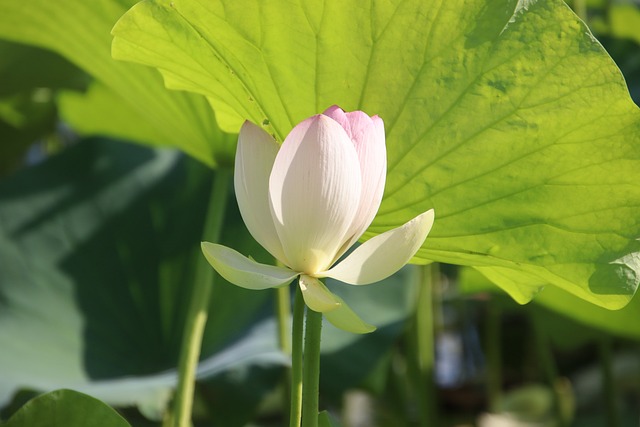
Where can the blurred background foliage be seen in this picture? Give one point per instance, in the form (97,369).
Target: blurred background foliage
(99,239)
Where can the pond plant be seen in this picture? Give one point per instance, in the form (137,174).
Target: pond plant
(315,143)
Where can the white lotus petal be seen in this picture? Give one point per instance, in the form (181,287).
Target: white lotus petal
(315,190)
(383,255)
(255,155)
(316,295)
(245,272)
(367,135)
(346,319)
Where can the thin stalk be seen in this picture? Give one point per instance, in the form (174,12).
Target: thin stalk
(283,311)
(608,382)
(311,369)
(199,304)
(297,330)
(283,316)
(397,393)
(493,353)
(424,337)
(548,365)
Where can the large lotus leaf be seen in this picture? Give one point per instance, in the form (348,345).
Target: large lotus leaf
(66,408)
(505,116)
(80,31)
(98,248)
(85,112)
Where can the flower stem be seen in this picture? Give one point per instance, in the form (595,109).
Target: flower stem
(297,330)
(199,304)
(493,352)
(311,369)
(549,368)
(283,310)
(283,317)
(424,336)
(608,384)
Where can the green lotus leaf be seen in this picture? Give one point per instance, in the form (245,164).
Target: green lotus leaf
(80,32)
(66,408)
(507,117)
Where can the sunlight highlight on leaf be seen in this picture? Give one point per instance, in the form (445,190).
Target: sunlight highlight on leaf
(511,121)
(79,31)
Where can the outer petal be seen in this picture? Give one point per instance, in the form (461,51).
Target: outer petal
(345,318)
(315,190)
(255,155)
(244,272)
(383,255)
(317,296)
(367,136)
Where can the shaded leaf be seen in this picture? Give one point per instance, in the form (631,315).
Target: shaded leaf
(99,246)
(27,107)
(347,358)
(66,408)
(21,69)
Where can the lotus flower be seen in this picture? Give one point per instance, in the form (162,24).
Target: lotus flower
(308,201)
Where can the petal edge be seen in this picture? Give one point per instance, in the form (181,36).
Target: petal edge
(317,296)
(383,255)
(346,319)
(255,155)
(244,272)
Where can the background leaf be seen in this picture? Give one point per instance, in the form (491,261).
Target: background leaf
(326,420)
(101,242)
(66,408)
(27,98)
(507,117)
(348,359)
(98,247)
(80,31)
(616,322)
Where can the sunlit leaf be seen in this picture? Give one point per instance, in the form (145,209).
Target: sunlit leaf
(507,117)
(80,31)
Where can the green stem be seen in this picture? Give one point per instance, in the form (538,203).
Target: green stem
(297,330)
(283,310)
(548,365)
(608,383)
(311,369)
(283,316)
(199,304)
(425,344)
(494,355)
